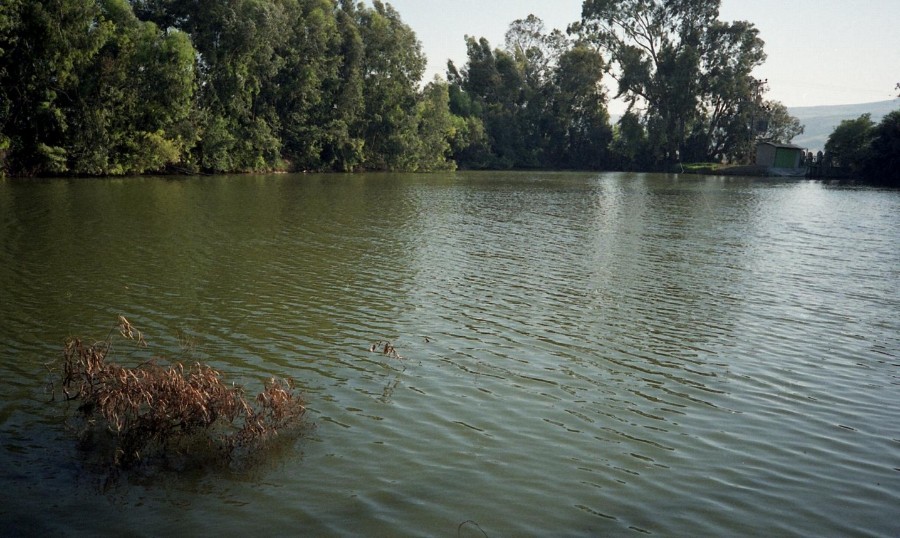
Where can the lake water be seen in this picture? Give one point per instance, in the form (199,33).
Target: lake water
(583,354)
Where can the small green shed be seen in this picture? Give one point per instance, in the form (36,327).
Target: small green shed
(779,155)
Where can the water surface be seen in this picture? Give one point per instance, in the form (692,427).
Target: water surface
(583,354)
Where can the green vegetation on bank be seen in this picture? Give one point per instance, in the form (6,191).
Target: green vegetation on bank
(95,87)
(867,150)
(99,87)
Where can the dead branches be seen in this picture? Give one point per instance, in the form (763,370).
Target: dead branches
(150,406)
(385,348)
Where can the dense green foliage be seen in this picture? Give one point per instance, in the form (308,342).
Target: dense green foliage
(883,163)
(97,87)
(687,78)
(848,144)
(868,151)
(87,88)
(539,102)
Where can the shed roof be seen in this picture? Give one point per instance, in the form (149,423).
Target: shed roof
(782,146)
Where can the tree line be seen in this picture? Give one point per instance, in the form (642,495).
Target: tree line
(866,150)
(123,87)
(100,87)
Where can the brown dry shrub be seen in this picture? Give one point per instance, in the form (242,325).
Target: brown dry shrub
(154,407)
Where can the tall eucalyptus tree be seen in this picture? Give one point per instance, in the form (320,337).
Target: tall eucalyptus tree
(687,72)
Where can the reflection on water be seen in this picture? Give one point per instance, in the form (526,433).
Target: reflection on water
(582,354)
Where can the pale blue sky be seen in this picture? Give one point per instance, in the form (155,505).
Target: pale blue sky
(820,52)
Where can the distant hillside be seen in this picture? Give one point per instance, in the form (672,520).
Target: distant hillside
(820,121)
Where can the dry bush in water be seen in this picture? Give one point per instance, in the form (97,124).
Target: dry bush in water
(153,407)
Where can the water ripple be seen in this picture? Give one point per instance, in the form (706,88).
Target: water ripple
(581,354)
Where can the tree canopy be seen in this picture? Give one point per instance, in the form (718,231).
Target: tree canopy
(539,100)
(685,74)
(99,87)
(883,162)
(867,150)
(848,144)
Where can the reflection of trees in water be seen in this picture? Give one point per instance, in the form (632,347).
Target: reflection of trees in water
(668,260)
(387,349)
(392,383)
